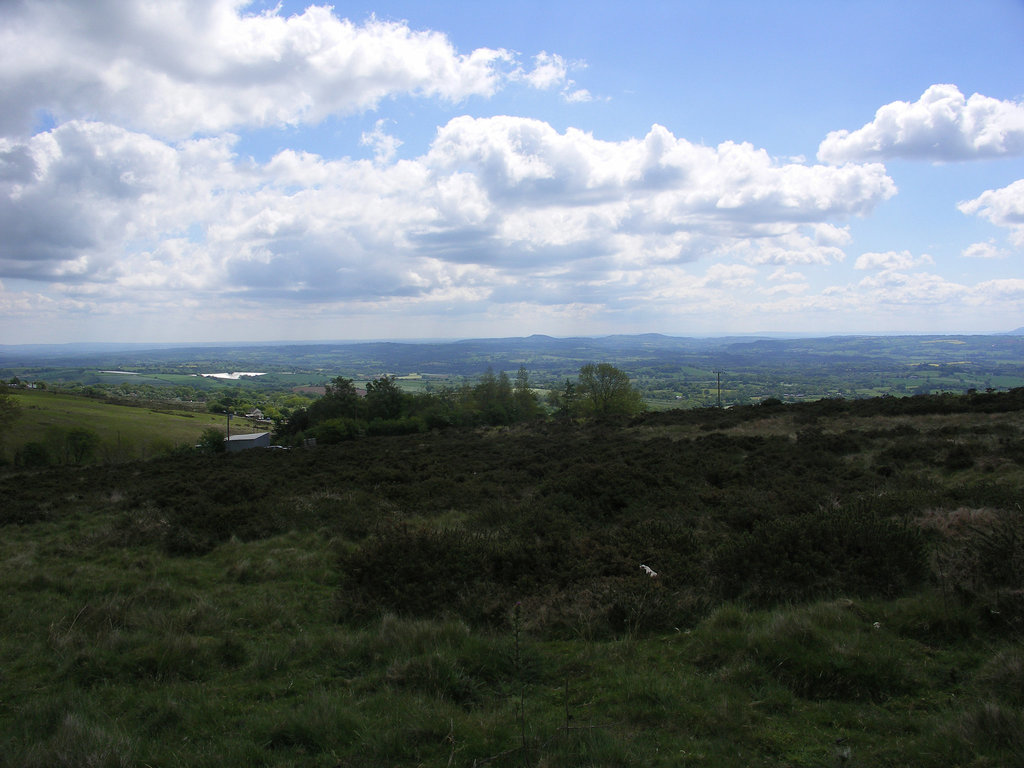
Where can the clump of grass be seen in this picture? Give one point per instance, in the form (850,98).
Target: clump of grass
(931,617)
(437,675)
(828,651)
(992,727)
(818,651)
(321,721)
(980,561)
(78,740)
(1002,677)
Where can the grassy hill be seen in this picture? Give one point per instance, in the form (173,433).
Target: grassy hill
(125,431)
(839,584)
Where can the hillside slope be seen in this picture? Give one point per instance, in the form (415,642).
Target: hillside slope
(124,431)
(838,583)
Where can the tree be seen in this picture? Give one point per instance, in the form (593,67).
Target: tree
(564,402)
(524,398)
(493,397)
(339,401)
(9,410)
(384,400)
(33,454)
(81,444)
(212,441)
(604,390)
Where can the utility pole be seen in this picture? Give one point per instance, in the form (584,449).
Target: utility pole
(719,374)
(228,414)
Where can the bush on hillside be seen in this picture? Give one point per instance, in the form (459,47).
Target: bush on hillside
(830,553)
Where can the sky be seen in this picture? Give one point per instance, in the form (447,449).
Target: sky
(222,170)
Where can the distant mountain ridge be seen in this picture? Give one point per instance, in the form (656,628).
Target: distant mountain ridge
(10,353)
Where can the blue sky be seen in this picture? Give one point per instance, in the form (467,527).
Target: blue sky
(223,170)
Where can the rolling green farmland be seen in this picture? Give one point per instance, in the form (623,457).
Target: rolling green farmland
(670,371)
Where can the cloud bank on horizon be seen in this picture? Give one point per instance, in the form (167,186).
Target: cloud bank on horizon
(221,170)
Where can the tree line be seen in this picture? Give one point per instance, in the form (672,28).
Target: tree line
(600,391)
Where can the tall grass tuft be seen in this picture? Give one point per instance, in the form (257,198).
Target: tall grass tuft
(80,740)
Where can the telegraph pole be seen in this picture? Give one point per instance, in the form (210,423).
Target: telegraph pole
(719,374)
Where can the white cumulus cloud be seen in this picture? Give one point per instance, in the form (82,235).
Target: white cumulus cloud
(1005,289)
(891,260)
(384,145)
(504,208)
(189,67)
(942,125)
(552,71)
(920,288)
(529,162)
(986,250)
(549,71)
(1003,207)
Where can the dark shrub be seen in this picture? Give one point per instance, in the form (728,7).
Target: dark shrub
(401,426)
(32,455)
(429,573)
(824,554)
(958,457)
(984,563)
(337,430)
(211,441)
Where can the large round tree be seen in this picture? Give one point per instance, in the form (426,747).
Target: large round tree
(604,390)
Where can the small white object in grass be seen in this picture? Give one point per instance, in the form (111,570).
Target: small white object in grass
(649,571)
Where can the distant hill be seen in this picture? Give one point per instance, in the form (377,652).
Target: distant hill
(472,355)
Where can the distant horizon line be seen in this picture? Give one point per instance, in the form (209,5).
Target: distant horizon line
(455,339)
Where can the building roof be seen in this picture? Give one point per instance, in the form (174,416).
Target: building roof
(242,438)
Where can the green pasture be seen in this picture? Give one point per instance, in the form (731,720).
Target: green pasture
(1005,382)
(153,379)
(125,431)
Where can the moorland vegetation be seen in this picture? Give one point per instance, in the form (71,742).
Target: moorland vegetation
(838,583)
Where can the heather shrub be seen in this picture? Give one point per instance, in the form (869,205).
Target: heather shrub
(1002,677)
(991,728)
(32,455)
(829,553)
(419,572)
(981,559)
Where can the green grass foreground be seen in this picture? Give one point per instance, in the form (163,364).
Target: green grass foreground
(834,589)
